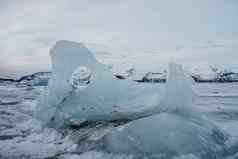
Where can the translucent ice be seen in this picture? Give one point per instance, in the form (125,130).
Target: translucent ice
(178,94)
(83,88)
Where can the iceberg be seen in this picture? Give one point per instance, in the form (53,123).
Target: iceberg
(81,88)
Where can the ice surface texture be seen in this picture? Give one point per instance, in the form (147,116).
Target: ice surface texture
(80,78)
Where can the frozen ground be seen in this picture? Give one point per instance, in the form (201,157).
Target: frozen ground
(22,136)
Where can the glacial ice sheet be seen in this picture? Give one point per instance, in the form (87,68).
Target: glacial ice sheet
(104,98)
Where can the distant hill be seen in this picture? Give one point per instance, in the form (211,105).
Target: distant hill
(36,79)
(42,78)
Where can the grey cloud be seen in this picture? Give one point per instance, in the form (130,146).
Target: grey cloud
(44,40)
(152,28)
(5,4)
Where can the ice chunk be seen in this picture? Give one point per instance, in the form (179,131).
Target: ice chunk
(179,130)
(104,97)
(178,94)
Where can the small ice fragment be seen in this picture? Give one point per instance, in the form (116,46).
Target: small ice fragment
(178,88)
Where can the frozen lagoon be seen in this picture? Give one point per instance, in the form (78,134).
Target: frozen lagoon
(22,136)
(175,128)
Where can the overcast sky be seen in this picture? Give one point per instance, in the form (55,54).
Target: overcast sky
(194,32)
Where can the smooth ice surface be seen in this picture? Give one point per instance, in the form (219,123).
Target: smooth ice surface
(105,98)
(168,134)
